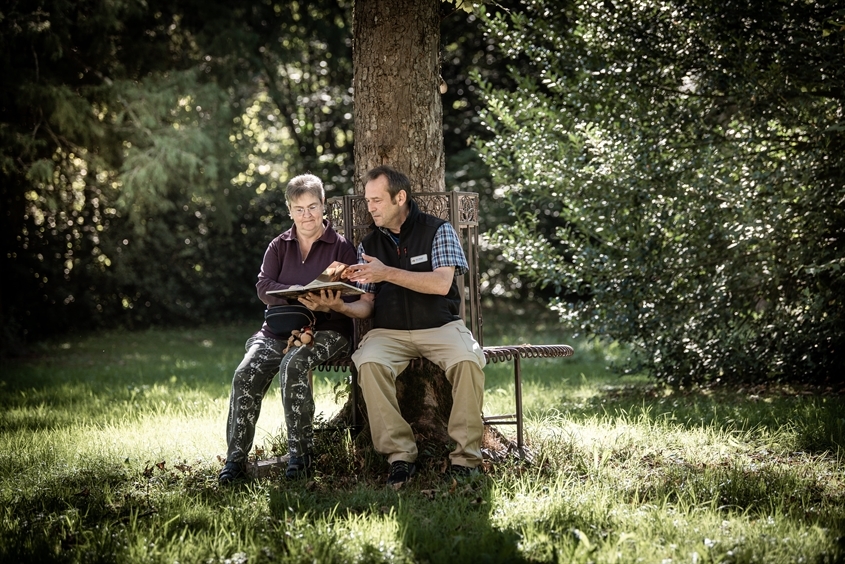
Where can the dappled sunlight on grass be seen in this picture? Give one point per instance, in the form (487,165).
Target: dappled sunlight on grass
(586,522)
(114,453)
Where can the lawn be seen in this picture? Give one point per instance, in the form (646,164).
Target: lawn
(110,445)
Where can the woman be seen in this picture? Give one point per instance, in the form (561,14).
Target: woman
(295,257)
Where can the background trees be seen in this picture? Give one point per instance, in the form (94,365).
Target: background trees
(675,171)
(141,147)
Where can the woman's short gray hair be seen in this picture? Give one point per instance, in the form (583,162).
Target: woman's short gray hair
(304,184)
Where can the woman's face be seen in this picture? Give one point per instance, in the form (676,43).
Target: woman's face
(307,215)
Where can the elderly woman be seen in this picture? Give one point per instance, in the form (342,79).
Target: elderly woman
(296,257)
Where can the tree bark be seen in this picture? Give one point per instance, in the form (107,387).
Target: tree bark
(396,79)
(398,122)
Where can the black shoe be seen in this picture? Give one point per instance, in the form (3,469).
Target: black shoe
(299,467)
(459,472)
(401,472)
(232,471)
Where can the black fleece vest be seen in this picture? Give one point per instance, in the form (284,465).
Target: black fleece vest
(397,307)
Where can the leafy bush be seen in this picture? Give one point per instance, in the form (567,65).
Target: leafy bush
(676,173)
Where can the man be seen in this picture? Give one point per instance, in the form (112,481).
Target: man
(407,265)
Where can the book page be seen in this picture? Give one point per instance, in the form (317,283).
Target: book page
(315,286)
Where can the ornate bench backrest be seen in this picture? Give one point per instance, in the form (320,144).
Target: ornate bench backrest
(350,218)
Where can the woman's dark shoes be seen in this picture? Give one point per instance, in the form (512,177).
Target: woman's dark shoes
(299,467)
(232,472)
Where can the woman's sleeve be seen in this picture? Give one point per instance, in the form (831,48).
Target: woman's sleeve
(268,276)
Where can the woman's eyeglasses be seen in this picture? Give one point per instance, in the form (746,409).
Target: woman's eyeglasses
(300,211)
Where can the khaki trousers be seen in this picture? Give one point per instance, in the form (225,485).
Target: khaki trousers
(385,353)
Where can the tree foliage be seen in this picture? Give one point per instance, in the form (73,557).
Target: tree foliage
(467,51)
(142,145)
(676,173)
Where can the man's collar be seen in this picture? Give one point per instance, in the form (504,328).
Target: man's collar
(413,212)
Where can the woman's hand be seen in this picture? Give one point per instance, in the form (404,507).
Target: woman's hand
(326,300)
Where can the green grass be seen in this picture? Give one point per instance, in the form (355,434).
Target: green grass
(110,445)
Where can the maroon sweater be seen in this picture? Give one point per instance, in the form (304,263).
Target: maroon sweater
(283,267)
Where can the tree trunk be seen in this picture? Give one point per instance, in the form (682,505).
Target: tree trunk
(398,122)
(396,79)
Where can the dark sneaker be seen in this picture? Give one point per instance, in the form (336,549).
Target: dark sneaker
(401,472)
(299,467)
(232,471)
(459,472)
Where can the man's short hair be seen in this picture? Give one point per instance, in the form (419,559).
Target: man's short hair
(396,181)
(304,184)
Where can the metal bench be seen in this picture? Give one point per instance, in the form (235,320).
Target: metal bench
(349,217)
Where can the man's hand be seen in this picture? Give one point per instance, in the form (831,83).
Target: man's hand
(371,272)
(374,271)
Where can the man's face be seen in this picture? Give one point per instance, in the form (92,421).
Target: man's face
(385,212)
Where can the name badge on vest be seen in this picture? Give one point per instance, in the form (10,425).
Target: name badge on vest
(419,258)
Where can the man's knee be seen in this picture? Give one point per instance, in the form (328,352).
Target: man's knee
(465,367)
(472,365)
(375,376)
(369,370)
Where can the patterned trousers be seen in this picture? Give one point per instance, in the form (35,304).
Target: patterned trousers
(262,361)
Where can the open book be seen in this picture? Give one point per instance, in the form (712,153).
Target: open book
(328,280)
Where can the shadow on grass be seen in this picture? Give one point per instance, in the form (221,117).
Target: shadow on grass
(46,523)
(429,518)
